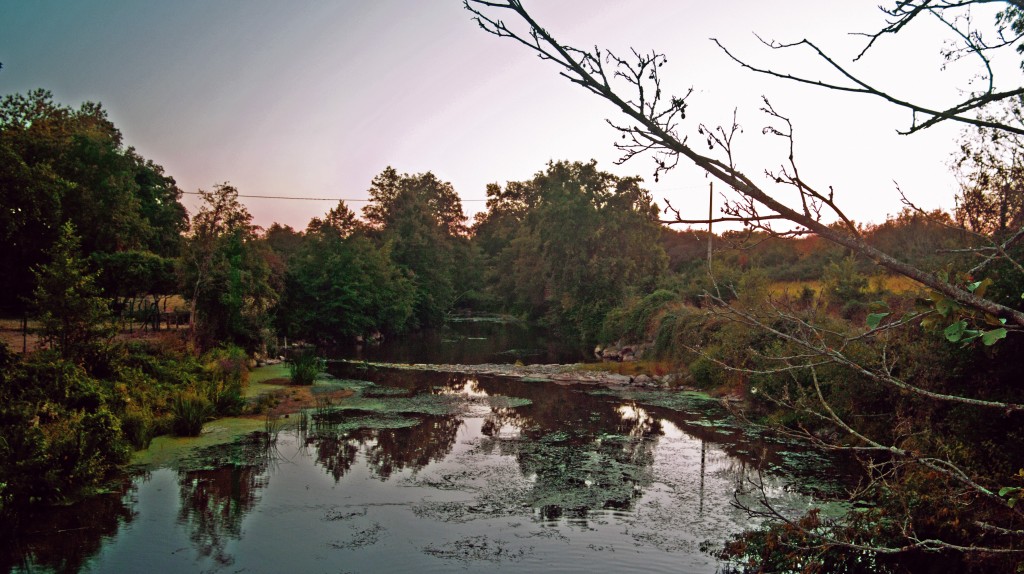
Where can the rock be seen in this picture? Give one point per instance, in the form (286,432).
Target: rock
(627,357)
(643,381)
(617,379)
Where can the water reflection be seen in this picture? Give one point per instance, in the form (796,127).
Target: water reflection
(215,499)
(560,464)
(64,539)
(386,451)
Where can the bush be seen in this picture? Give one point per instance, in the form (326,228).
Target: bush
(305,367)
(228,374)
(189,410)
(706,373)
(633,320)
(138,428)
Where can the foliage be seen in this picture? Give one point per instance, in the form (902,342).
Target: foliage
(226,273)
(635,320)
(843,285)
(570,277)
(75,319)
(340,285)
(59,434)
(305,367)
(58,165)
(227,375)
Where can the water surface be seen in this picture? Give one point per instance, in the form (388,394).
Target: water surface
(436,472)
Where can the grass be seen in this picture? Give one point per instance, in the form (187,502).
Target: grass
(893,283)
(190,411)
(305,367)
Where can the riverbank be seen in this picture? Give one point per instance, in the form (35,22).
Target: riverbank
(576,373)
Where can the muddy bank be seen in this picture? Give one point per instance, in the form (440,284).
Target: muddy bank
(569,373)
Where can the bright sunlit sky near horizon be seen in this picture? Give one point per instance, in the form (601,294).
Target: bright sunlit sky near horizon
(312,99)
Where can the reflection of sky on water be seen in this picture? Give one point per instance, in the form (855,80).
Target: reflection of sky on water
(569,482)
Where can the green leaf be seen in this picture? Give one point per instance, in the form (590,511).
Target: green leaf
(1007,490)
(1012,502)
(990,337)
(955,331)
(944,306)
(874,319)
(979,287)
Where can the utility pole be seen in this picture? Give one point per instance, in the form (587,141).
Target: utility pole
(711,198)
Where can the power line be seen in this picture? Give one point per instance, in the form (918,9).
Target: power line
(353,200)
(306,199)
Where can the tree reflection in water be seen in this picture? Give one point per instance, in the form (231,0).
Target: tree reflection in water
(216,498)
(386,450)
(64,539)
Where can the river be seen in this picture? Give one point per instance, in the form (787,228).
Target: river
(440,472)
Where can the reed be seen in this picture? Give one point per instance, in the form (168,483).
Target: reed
(190,410)
(305,367)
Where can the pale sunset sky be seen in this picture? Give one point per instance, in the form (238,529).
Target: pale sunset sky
(312,99)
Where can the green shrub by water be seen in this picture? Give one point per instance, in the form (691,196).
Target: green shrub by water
(227,375)
(305,367)
(190,410)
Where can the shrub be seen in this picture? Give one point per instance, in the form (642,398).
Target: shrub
(228,374)
(304,368)
(190,410)
(138,427)
(632,321)
(706,373)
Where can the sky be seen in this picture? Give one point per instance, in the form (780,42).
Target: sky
(312,99)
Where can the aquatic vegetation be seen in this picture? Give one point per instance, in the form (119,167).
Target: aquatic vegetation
(475,548)
(381,391)
(340,421)
(427,404)
(362,538)
(190,410)
(305,367)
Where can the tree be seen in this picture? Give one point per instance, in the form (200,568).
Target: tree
(653,120)
(340,285)
(390,194)
(225,271)
(421,218)
(571,275)
(914,472)
(75,318)
(60,164)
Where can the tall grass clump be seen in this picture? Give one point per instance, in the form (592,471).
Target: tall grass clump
(305,367)
(228,376)
(138,427)
(190,410)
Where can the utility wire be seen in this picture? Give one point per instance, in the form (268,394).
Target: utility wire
(348,200)
(304,198)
